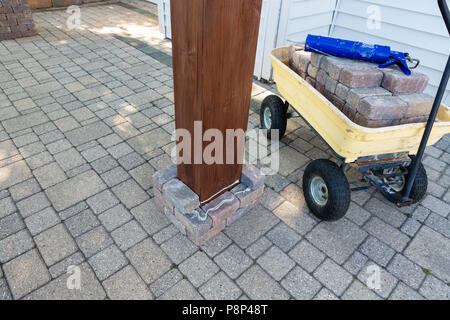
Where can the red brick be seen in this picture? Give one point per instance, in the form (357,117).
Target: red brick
(338,102)
(420,119)
(300,62)
(195,227)
(321,77)
(171,217)
(25,21)
(23,28)
(333,66)
(354,96)
(16,35)
(19,8)
(247,195)
(327,94)
(202,239)
(350,111)
(361,76)
(312,71)
(163,176)
(12,21)
(320,87)
(15,28)
(6,10)
(7,36)
(397,82)
(181,196)
(239,214)
(316,59)
(311,81)
(363,121)
(419,104)
(382,108)
(330,84)
(252,177)
(161,202)
(221,208)
(256,202)
(342,91)
(292,49)
(28,34)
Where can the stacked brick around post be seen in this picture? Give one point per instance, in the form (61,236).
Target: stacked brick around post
(202,222)
(367,95)
(15,20)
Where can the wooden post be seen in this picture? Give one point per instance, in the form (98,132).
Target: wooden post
(214,49)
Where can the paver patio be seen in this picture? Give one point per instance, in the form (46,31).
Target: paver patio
(85,120)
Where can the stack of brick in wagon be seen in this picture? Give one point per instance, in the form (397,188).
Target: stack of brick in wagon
(367,95)
(15,20)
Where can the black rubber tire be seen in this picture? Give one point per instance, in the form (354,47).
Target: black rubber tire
(278,112)
(419,188)
(338,190)
(420,185)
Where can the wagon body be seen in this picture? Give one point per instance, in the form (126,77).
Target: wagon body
(349,140)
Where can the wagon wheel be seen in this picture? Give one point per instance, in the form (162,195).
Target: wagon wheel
(397,185)
(273,115)
(326,189)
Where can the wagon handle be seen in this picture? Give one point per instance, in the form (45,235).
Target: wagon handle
(437,103)
(445,13)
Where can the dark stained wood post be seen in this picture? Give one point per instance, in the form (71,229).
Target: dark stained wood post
(214,49)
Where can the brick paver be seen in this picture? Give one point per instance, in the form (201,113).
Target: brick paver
(85,120)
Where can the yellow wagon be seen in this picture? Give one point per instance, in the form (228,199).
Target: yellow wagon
(384,156)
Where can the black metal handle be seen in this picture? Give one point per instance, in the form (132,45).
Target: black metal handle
(437,102)
(445,13)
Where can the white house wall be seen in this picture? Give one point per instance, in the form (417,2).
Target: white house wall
(267,38)
(165,25)
(414,26)
(301,17)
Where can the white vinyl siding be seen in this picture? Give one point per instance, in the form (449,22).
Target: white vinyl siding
(301,17)
(413,26)
(267,37)
(165,24)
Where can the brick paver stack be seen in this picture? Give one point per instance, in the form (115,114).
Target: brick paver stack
(367,95)
(15,20)
(199,222)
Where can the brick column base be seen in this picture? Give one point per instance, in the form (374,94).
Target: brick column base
(202,222)
(15,20)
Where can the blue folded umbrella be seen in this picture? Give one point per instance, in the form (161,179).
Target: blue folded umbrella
(360,51)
